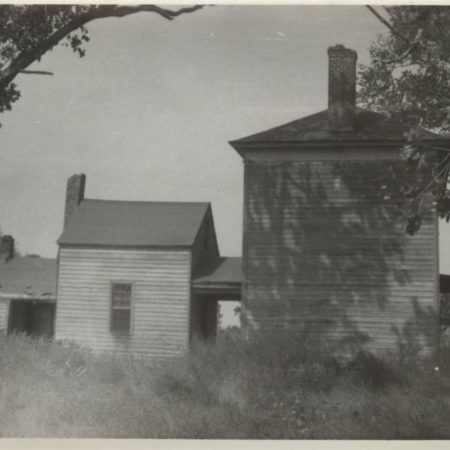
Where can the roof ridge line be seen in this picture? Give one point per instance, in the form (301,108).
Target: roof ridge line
(168,202)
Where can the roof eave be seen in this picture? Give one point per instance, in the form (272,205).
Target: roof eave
(241,146)
(125,246)
(15,296)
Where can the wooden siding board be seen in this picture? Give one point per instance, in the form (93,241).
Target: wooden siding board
(161,298)
(437,303)
(245,253)
(4,310)
(324,249)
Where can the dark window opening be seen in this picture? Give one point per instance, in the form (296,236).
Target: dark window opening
(208,320)
(121,308)
(31,317)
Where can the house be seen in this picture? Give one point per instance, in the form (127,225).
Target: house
(324,247)
(126,273)
(27,292)
(324,250)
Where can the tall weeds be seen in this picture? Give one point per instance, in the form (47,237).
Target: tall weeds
(282,386)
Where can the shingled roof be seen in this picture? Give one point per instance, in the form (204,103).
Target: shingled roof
(220,278)
(369,127)
(134,224)
(223,270)
(28,277)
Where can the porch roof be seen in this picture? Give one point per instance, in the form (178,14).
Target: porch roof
(221,278)
(28,277)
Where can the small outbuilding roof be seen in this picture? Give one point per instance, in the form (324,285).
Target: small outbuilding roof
(369,126)
(223,270)
(28,277)
(222,277)
(134,224)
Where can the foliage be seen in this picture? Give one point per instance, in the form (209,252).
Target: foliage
(273,386)
(27,32)
(375,372)
(408,78)
(409,73)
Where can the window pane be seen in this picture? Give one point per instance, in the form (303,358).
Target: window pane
(121,295)
(120,320)
(120,307)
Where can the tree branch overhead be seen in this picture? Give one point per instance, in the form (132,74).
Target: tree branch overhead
(27,32)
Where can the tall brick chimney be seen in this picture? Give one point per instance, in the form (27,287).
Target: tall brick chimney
(6,248)
(74,195)
(341,88)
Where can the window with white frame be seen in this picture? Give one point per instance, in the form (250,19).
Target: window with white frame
(121,294)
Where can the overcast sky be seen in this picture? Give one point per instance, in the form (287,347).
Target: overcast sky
(148,112)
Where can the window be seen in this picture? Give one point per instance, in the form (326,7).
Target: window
(121,307)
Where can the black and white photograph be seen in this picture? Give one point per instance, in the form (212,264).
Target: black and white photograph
(225,221)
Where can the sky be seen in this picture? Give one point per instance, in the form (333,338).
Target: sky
(148,112)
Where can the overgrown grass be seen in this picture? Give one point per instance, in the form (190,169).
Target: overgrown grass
(277,387)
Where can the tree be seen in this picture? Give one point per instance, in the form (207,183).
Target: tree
(408,78)
(27,32)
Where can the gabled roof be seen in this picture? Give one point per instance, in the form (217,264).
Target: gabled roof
(28,277)
(369,126)
(134,224)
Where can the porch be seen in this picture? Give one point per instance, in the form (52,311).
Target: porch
(214,282)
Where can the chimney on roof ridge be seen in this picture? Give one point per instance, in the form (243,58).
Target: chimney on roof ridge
(74,195)
(6,248)
(341,88)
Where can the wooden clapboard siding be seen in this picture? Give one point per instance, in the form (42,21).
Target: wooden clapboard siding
(195,318)
(160,304)
(4,310)
(325,252)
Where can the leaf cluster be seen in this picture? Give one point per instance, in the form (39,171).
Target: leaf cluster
(408,78)
(409,73)
(23,28)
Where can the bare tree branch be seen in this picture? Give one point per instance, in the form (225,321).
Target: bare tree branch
(408,51)
(411,44)
(387,24)
(125,10)
(36,72)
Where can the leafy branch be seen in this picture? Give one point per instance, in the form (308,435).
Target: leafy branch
(29,31)
(408,78)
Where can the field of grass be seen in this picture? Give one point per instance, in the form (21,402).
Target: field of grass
(269,387)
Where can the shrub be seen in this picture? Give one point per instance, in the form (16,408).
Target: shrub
(375,372)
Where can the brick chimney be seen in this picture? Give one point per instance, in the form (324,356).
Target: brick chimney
(341,88)
(6,248)
(74,195)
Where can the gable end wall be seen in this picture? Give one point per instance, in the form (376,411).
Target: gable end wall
(161,299)
(205,249)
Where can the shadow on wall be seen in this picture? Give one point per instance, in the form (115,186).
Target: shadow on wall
(326,254)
